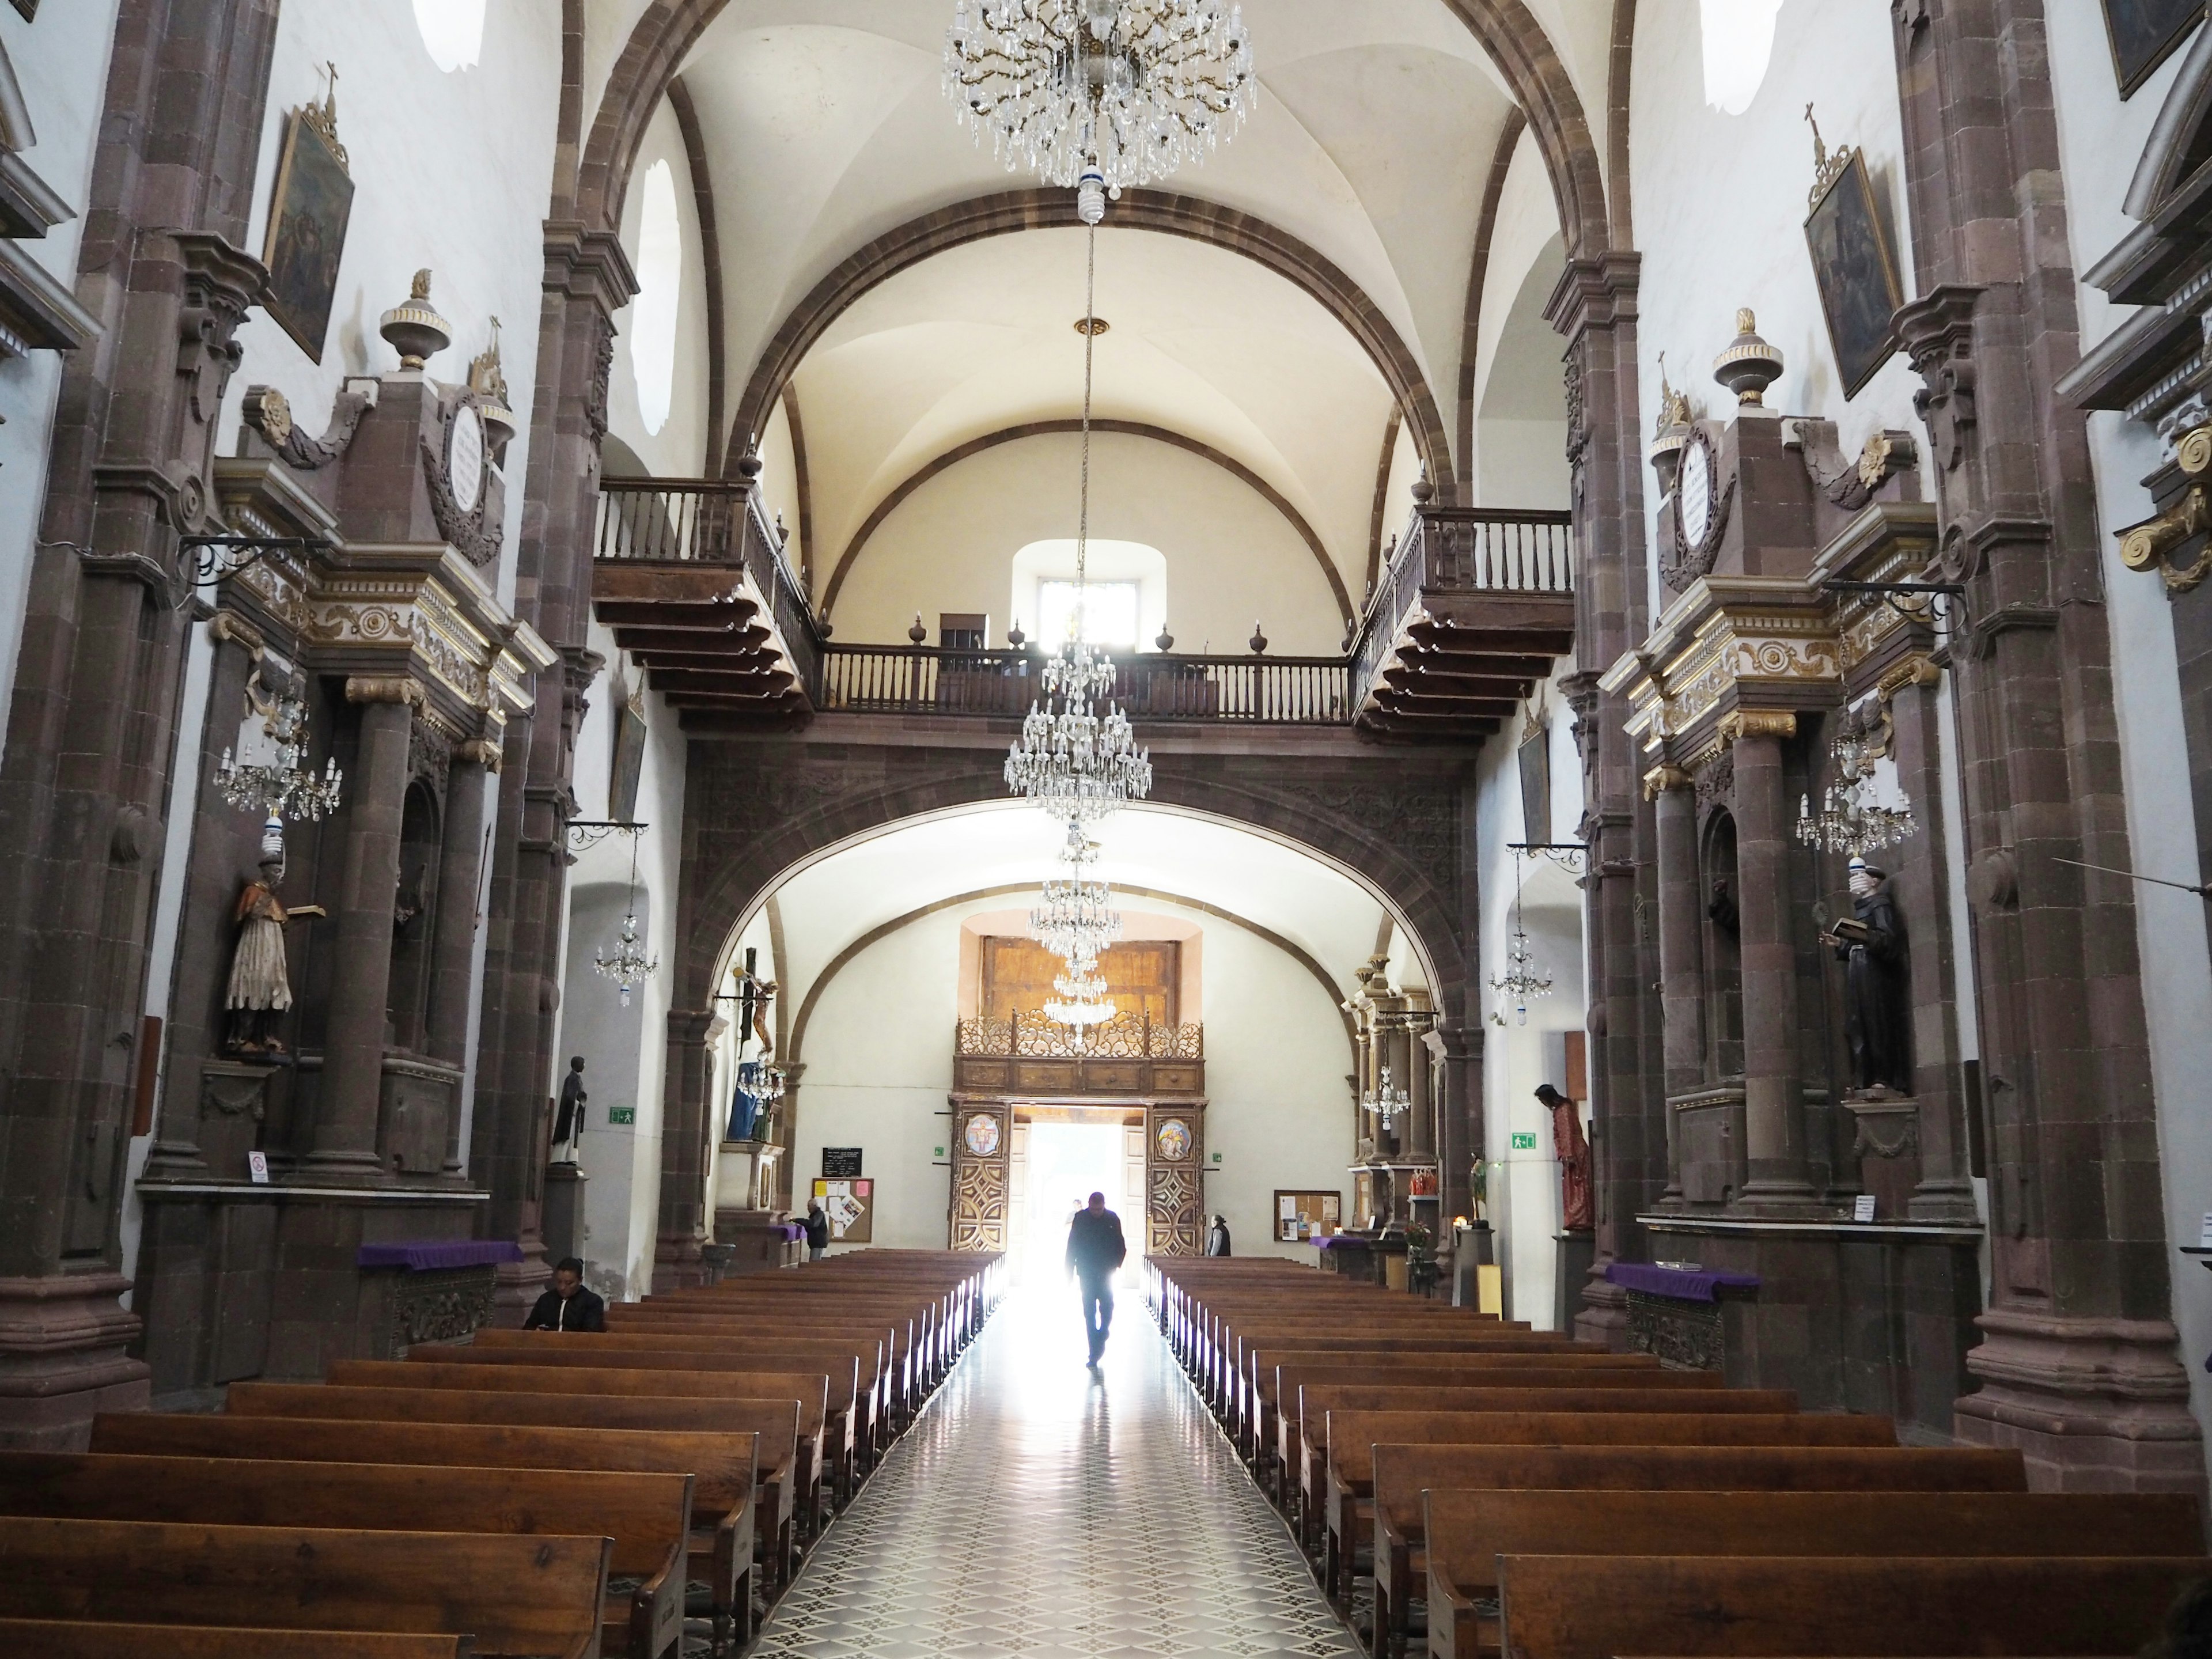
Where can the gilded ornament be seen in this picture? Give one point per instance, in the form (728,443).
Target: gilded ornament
(2193,454)
(1740,723)
(1661,779)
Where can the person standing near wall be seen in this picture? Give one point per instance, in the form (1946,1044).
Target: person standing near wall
(1096,1250)
(1217,1237)
(817,1230)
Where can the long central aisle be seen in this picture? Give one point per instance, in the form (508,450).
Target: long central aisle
(1040,1509)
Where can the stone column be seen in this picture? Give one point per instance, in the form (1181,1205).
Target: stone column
(84,774)
(1773,1098)
(686,1211)
(1459,1114)
(345,1145)
(1681,988)
(1421,1112)
(453,945)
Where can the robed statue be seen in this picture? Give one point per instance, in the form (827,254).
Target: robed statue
(1578,1209)
(568,1124)
(260,988)
(1871,945)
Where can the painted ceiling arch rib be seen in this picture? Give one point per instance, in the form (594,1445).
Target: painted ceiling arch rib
(797,1051)
(1008,212)
(1493,191)
(974,447)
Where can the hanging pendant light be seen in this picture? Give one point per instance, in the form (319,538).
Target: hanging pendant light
(1522,979)
(628,965)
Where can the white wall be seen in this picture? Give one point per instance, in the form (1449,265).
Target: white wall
(878,1057)
(1720,205)
(2100,139)
(1231,557)
(61,65)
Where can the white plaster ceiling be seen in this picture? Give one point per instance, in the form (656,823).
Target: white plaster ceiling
(825,126)
(851,890)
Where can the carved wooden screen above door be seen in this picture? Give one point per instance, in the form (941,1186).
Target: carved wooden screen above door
(982,1139)
(1175,1187)
(1144,977)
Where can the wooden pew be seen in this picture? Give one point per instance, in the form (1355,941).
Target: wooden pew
(60,1638)
(515,1594)
(1350,1437)
(1304,1445)
(1817,1606)
(646,1517)
(1468,1532)
(903,1388)
(774,1422)
(1253,1353)
(810,1390)
(843,1408)
(1403,1473)
(721,1467)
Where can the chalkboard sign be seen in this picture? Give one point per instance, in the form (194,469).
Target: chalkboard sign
(839,1162)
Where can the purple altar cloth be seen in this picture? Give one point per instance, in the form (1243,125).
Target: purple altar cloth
(436,1253)
(792,1232)
(1675,1282)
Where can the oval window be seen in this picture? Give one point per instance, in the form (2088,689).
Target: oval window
(452,30)
(660,281)
(1738,41)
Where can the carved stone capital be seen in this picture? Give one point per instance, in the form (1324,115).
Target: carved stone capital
(228,626)
(382,689)
(1661,779)
(1915,669)
(480,751)
(1741,723)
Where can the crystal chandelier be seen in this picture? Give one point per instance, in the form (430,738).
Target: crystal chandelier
(1077,920)
(1387,1102)
(1131,88)
(1852,820)
(1522,979)
(1082,1002)
(628,965)
(269,779)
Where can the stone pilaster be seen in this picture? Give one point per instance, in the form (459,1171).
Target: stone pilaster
(1682,987)
(686,1209)
(1595,308)
(2079,1363)
(84,775)
(1774,1110)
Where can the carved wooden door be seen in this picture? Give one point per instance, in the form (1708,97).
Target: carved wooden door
(1175,1189)
(982,1144)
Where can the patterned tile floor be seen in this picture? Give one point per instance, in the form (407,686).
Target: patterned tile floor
(1041,1510)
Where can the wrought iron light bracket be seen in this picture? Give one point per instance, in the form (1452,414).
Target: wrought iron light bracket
(209,564)
(1569,855)
(1920,602)
(584,833)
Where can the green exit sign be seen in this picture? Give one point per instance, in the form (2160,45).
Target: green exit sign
(1524,1142)
(622,1114)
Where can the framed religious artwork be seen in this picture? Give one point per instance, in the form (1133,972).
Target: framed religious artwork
(628,765)
(980,1134)
(1302,1216)
(1852,264)
(308,220)
(2144,34)
(1173,1140)
(1534,757)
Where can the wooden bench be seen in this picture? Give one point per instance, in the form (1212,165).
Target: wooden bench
(1253,1354)
(1304,1441)
(1566,1606)
(62,1638)
(1350,1435)
(515,1594)
(721,1467)
(1403,1473)
(1468,1532)
(810,1390)
(774,1422)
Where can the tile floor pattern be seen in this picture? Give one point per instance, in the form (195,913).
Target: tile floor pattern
(1042,1510)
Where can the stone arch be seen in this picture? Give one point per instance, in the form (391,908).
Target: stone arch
(2181,138)
(1164,212)
(974,447)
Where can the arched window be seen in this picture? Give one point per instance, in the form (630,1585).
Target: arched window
(1738,41)
(452,30)
(660,283)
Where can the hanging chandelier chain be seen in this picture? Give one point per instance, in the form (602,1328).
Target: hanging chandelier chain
(1090,355)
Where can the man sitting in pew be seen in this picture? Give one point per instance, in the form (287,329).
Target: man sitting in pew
(568,1306)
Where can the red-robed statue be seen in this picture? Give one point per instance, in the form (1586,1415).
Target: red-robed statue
(1578,1213)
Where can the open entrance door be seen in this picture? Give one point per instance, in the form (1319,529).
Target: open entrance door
(1059,1158)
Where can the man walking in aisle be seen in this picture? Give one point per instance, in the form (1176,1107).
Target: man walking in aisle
(1096,1251)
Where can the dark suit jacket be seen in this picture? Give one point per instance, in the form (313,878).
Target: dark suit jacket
(585,1311)
(1095,1245)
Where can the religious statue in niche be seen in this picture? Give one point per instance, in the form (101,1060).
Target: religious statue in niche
(1870,944)
(569,1124)
(260,988)
(1577,1210)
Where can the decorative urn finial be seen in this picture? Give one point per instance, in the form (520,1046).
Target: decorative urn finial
(415,329)
(1749,365)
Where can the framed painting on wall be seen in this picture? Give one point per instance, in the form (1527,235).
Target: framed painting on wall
(1854,268)
(851,1207)
(308,219)
(1300,1216)
(2144,34)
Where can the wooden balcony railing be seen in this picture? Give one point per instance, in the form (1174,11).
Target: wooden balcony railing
(692,521)
(923,680)
(1464,550)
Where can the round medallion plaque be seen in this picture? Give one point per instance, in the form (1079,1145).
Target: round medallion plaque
(980,1134)
(1173,1139)
(465,456)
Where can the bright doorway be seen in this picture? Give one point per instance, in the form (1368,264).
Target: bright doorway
(1059,1163)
